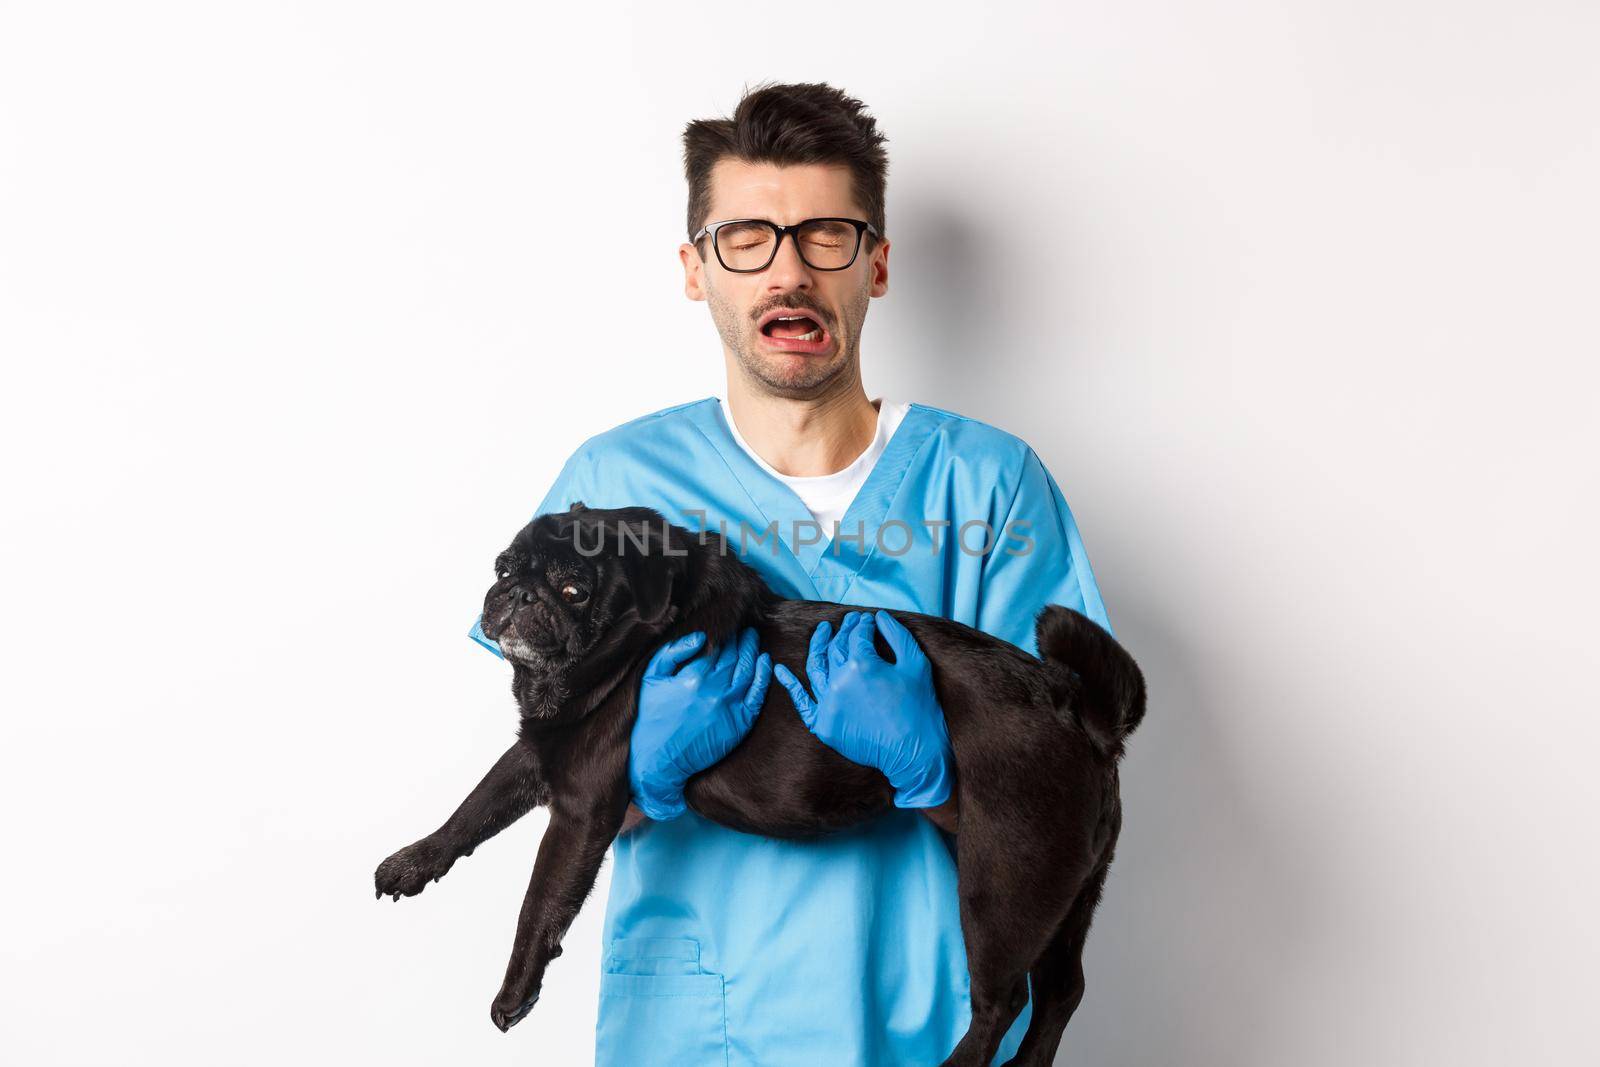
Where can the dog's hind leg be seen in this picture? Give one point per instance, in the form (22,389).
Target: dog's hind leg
(998,987)
(1006,916)
(1058,980)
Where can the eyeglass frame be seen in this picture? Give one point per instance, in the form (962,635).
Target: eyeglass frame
(710,229)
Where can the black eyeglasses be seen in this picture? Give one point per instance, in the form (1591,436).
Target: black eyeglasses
(746,246)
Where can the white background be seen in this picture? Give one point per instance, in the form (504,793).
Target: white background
(1295,299)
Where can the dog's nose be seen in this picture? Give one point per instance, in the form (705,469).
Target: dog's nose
(524,596)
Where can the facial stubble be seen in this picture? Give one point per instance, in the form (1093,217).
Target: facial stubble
(813,376)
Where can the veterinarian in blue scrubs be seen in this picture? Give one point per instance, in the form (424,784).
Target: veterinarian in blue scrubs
(725,949)
(731,948)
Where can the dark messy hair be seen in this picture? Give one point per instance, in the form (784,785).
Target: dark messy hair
(798,123)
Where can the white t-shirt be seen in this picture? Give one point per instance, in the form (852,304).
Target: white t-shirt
(827,496)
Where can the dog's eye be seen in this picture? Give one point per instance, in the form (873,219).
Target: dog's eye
(573,595)
(502,573)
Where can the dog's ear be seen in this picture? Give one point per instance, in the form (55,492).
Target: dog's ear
(651,581)
(655,570)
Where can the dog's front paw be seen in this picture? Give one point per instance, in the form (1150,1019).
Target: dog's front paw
(509,1009)
(407,872)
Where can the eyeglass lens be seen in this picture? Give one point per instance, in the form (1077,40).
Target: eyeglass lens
(751,245)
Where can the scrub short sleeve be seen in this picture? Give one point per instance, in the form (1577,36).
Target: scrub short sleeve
(570,485)
(1038,559)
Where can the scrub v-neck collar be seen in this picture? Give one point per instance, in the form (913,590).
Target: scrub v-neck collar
(827,565)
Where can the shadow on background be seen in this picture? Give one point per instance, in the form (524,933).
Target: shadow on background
(1208,917)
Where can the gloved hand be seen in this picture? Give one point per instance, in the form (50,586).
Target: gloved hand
(691,715)
(881,714)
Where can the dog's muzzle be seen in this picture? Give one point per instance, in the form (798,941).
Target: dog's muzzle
(522,620)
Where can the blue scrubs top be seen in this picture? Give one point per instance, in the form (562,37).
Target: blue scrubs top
(736,950)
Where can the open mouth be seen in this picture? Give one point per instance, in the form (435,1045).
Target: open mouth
(797,332)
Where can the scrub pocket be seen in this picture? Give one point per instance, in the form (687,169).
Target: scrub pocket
(658,1008)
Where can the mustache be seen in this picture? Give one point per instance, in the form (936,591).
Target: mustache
(797,304)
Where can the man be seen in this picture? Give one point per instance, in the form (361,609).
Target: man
(731,948)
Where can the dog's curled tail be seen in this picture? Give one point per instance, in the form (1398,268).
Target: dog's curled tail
(1098,684)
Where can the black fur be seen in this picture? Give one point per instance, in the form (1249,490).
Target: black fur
(1036,811)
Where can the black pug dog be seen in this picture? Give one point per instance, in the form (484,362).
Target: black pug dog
(581,601)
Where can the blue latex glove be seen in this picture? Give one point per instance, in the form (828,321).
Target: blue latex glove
(881,714)
(692,712)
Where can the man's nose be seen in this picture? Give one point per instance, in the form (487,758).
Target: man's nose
(788,270)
